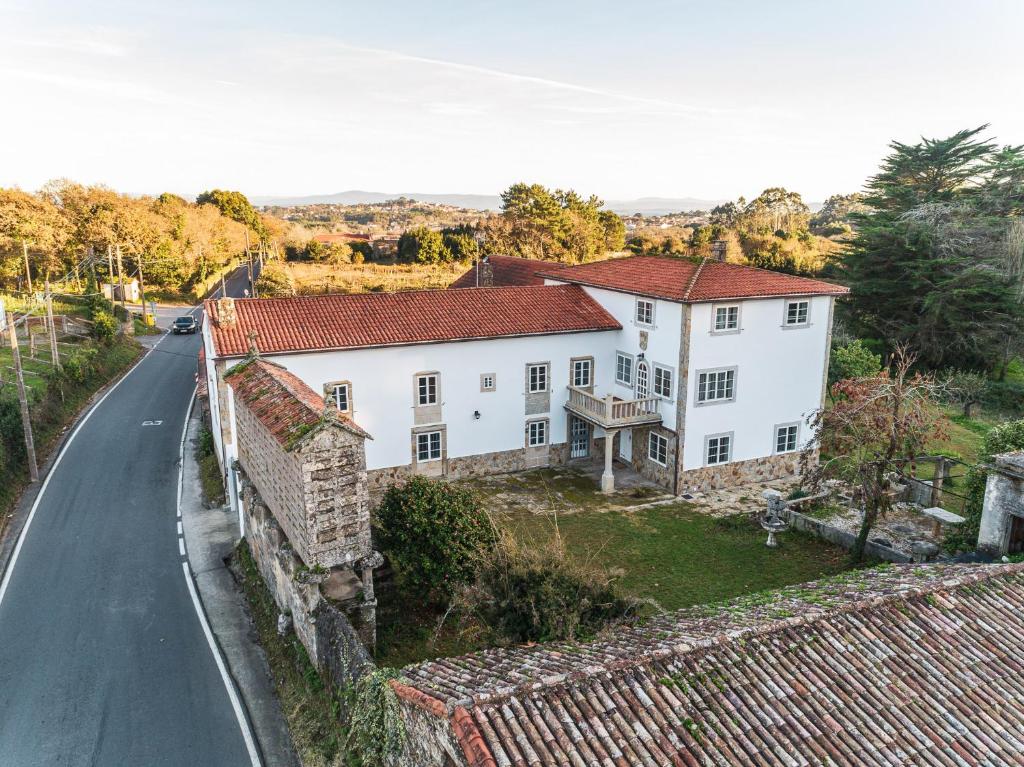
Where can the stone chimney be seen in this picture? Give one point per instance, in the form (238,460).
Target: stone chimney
(485,273)
(718,248)
(226,317)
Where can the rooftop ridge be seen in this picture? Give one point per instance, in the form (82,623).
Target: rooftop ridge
(936,583)
(694,278)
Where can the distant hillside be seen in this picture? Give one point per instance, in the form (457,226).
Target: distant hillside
(648,206)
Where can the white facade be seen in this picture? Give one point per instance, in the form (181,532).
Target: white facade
(779,374)
(776,374)
(383,389)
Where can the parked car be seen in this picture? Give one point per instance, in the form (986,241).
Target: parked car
(186,324)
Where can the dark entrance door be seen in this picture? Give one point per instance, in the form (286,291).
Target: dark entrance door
(1016,543)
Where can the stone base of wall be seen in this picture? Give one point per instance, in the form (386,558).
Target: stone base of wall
(739,473)
(335,635)
(503,462)
(648,469)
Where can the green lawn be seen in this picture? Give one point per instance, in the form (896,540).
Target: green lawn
(672,554)
(678,556)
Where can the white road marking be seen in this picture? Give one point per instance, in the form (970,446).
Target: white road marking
(152,423)
(229,685)
(46,482)
(179,526)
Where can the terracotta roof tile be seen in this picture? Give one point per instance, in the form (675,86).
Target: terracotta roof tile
(916,664)
(685,280)
(316,323)
(506,271)
(283,402)
(202,387)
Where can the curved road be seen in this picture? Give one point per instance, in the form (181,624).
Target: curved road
(103,658)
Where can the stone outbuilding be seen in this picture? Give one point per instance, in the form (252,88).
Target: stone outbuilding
(303,471)
(1002,516)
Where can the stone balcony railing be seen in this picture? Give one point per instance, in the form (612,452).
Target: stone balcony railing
(610,412)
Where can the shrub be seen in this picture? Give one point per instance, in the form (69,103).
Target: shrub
(104,326)
(1005,397)
(529,593)
(855,360)
(433,532)
(1004,438)
(274,281)
(80,364)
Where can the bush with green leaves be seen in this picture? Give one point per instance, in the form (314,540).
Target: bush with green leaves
(539,593)
(433,531)
(376,732)
(854,360)
(1004,438)
(80,364)
(104,326)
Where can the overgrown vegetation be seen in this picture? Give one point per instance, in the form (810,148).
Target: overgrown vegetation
(209,469)
(312,709)
(539,593)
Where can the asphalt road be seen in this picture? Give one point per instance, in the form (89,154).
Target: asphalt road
(103,658)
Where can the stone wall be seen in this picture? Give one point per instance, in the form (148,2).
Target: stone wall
(739,473)
(645,467)
(317,491)
(827,532)
(503,462)
(1004,500)
(334,636)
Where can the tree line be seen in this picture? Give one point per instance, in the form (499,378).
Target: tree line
(47,234)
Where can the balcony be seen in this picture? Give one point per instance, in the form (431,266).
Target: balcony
(610,412)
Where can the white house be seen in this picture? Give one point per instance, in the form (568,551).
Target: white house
(697,375)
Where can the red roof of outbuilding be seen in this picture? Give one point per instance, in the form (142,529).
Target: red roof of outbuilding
(680,279)
(283,403)
(506,271)
(320,323)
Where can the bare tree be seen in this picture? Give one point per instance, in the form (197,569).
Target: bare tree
(877,426)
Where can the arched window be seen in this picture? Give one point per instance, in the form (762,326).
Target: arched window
(643,378)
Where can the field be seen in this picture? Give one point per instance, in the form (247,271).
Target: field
(313,279)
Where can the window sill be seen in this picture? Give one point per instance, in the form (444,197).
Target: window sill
(707,403)
(733,332)
(799,326)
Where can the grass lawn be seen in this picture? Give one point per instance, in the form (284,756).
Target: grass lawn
(679,557)
(672,554)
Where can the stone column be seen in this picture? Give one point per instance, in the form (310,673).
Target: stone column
(608,477)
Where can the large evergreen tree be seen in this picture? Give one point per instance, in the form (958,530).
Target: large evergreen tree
(935,262)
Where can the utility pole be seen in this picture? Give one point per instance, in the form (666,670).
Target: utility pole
(110,270)
(120,279)
(28,272)
(248,258)
(54,354)
(142,292)
(26,421)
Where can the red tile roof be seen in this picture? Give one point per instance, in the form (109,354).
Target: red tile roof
(916,664)
(317,323)
(283,403)
(202,385)
(506,271)
(681,279)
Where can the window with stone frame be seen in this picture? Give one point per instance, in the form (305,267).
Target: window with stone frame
(537,377)
(583,372)
(717,449)
(426,389)
(340,393)
(797,313)
(663,381)
(644,312)
(624,368)
(716,385)
(428,446)
(727,318)
(786,436)
(537,433)
(657,448)
(488,382)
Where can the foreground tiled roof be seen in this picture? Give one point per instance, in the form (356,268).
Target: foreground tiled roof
(914,664)
(283,402)
(314,323)
(202,386)
(681,279)
(506,271)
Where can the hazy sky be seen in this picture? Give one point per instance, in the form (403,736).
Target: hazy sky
(711,99)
